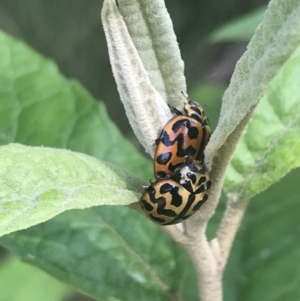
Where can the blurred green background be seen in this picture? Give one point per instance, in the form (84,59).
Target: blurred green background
(70,32)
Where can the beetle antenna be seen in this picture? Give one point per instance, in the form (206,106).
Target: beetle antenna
(184,95)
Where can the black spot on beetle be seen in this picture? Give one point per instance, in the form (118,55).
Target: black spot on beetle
(182,214)
(165,139)
(180,139)
(188,186)
(193,132)
(164,158)
(147,206)
(179,124)
(161,174)
(208,185)
(172,167)
(161,206)
(196,116)
(176,197)
(202,180)
(165,188)
(166,212)
(151,191)
(197,110)
(192,177)
(182,152)
(200,189)
(157,219)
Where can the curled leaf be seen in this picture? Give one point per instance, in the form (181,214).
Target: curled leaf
(146,64)
(270,147)
(272,45)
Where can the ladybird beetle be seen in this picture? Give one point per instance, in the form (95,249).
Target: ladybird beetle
(183,135)
(168,202)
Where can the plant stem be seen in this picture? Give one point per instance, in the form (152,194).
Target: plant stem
(228,228)
(210,258)
(209,277)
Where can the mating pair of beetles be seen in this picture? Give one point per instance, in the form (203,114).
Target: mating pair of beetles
(182,181)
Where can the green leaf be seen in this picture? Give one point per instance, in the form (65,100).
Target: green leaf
(270,147)
(109,253)
(37,183)
(273,44)
(20,282)
(96,253)
(240,29)
(41,107)
(270,254)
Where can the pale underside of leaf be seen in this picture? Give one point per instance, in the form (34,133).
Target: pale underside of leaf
(38,183)
(146,109)
(151,31)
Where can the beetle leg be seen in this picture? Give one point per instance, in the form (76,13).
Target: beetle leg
(175,111)
(186,159)
(152,181)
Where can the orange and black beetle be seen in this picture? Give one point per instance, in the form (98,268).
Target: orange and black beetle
(183,136)
(169,201)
